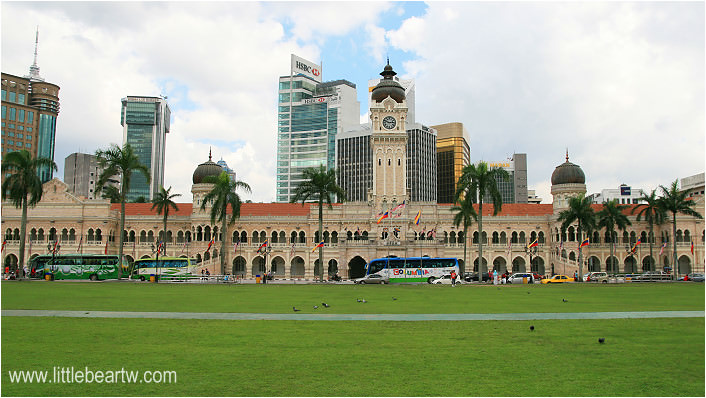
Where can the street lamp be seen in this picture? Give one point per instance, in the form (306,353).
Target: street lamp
(531,251)
(265,252)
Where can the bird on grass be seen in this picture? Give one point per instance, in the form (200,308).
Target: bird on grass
(394,298)
(528,292)
(601,340)
(325,305)
(316,307)
(295,309)
(532,328)
(565,300)
(359,300)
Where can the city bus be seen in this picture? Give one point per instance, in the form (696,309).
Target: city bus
(76,266)
(164,266)
(412,269)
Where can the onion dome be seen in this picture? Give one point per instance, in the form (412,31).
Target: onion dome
(206,169)
(388,86)
(568,173)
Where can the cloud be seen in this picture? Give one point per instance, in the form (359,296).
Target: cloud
(620,84)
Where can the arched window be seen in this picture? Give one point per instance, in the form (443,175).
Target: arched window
(503,237)
(72,235)
(540,238)
(572,234)
(496,238)
(293,238)
(302,237)
(513,239)
(207,234)
(150,236)
(243,237)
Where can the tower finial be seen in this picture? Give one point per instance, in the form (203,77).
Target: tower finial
(388,60)
(567,154)
(34,69)
(209,154)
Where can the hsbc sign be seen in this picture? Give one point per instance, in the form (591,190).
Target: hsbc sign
(308,68)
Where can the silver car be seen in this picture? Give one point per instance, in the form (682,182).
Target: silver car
(519,277)
(372,278)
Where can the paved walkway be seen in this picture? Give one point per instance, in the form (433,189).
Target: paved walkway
(355,317)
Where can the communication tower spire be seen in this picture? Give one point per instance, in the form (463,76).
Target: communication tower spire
(34,69)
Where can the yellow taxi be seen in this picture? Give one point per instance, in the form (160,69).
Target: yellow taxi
(558,279)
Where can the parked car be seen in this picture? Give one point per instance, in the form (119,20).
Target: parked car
(558,279)
(473,276)
(444,280)
(537,277)
(372,278)
(597,277)
(652,276)
(519,277)
(695,277)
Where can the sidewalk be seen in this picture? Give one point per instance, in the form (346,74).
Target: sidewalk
(355,317)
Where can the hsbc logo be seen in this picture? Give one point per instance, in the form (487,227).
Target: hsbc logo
(306,68)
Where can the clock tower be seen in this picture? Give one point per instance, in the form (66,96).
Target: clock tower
(388,142)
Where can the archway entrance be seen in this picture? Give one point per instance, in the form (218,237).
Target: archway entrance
(684,265)
(538,265)
(239,266)
(356,267)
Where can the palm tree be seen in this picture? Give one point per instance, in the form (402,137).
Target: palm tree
(224,194)
(465,213)
(675,201)
(116,161)
(478,182)
(23,182)
(163,202)
(651,212)
(319,185)
(610,217)
(579,211)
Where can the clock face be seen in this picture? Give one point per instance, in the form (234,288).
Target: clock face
(389,122)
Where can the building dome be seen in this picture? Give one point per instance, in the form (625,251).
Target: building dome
(388,87)
(206,169)
(568,173)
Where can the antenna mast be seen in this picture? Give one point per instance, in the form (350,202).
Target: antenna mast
(34,69)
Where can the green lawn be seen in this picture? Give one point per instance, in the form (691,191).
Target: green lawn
(342,298)
(641,357)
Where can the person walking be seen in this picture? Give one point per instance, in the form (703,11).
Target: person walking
(495,277)
(453,278)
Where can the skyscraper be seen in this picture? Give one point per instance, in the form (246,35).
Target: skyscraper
(30,107)
(145,122)
(81,173)
(515,189)
(310,116)
(453,153)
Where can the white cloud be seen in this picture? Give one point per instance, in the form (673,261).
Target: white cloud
(621,85)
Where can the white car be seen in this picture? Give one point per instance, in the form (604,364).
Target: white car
(519,277)
(445,280)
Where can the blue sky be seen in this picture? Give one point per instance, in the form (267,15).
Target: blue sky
(620,84)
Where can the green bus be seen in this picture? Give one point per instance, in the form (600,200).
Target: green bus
(76,266)
(163,267)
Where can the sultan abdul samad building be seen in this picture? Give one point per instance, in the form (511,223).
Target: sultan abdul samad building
(352,234)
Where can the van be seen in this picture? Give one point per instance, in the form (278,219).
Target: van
(520,278)
(597,277)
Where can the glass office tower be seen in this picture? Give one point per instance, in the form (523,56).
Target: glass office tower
(145,122)
(310,115)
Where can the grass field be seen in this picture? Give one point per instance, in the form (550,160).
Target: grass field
(641,357)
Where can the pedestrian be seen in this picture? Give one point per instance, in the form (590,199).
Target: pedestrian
(26,272)
(208,274)
(202,274)
(453,278)
(576,276)
(495,277)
